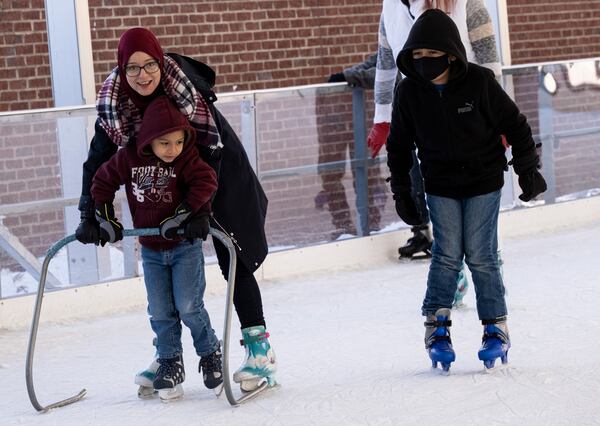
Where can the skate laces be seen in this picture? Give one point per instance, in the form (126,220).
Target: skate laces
(168,368)
(211,362)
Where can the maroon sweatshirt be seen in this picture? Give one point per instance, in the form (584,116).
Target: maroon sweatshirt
(155,188)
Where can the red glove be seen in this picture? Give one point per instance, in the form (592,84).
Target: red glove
(377,137)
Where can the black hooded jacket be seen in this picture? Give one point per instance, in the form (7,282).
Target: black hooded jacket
(456,130)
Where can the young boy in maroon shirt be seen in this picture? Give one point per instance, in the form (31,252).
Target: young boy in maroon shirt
(170,187)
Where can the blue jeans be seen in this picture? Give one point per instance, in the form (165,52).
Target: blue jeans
(465,227)
(175,286)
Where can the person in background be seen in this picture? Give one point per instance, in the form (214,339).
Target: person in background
(477,35)
(332,148)
(167,186)
(239,206)
(454,113)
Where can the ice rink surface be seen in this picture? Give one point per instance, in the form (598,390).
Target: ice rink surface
(350,352)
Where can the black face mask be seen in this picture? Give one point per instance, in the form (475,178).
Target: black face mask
(430,67)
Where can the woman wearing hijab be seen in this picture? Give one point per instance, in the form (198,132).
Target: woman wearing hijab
(143,73)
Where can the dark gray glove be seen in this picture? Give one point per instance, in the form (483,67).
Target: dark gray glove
(338,77)
(111,230)
(169,226)
(532,184)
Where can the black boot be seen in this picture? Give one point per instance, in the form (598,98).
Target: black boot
(211,369)
(169,377)
(420,242)
(170,373)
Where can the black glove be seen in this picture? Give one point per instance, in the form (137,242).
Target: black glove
(170,226)
(111,230)
(88,231)
(338,77)
(406,209)
(532,184)
(197,227)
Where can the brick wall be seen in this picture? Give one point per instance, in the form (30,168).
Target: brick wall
(30,171)
(251,44)
(24,60)
(550,30)
(262,43)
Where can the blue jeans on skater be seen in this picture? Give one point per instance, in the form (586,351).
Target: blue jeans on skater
(175,286)
(465,227)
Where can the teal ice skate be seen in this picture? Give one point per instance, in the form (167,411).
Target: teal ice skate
(437,339)
(462,285)
(495,342)
(260,363)
(145,379)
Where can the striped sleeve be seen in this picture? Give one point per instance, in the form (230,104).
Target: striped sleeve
(481,35)
(385,77)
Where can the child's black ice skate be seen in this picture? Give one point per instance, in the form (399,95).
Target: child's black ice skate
(419,242)
(437,339)
(169,377)
(212,371)
(495,342)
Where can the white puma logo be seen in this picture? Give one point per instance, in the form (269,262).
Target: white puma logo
(467,108)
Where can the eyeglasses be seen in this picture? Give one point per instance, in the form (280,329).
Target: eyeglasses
(135,70)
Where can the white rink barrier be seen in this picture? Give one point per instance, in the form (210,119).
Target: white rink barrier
(104,299)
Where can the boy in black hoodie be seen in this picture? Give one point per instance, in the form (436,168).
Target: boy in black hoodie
(454,112)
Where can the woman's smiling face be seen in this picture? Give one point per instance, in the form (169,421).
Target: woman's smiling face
(144,83)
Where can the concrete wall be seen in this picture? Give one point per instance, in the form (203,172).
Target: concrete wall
(104,299)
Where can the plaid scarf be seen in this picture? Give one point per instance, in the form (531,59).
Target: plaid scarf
(121,119)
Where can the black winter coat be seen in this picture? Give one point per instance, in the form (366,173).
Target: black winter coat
(456,130)
(240,204)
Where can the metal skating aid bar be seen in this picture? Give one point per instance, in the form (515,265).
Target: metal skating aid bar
(227,325)
(36,319)
(126,233)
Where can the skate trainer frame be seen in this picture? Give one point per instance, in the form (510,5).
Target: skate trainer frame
(135,233)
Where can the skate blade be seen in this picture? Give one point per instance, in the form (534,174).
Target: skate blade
(419,257)
(444,369)
(171,394)
(498,364)
(270,383)
(251,385)
(145,392)
(218,390)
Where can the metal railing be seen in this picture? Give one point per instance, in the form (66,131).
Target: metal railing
(260,119)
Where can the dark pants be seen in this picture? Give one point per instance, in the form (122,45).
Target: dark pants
(246,295)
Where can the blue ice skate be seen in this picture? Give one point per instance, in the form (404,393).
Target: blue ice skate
(495,343)
(437,339)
